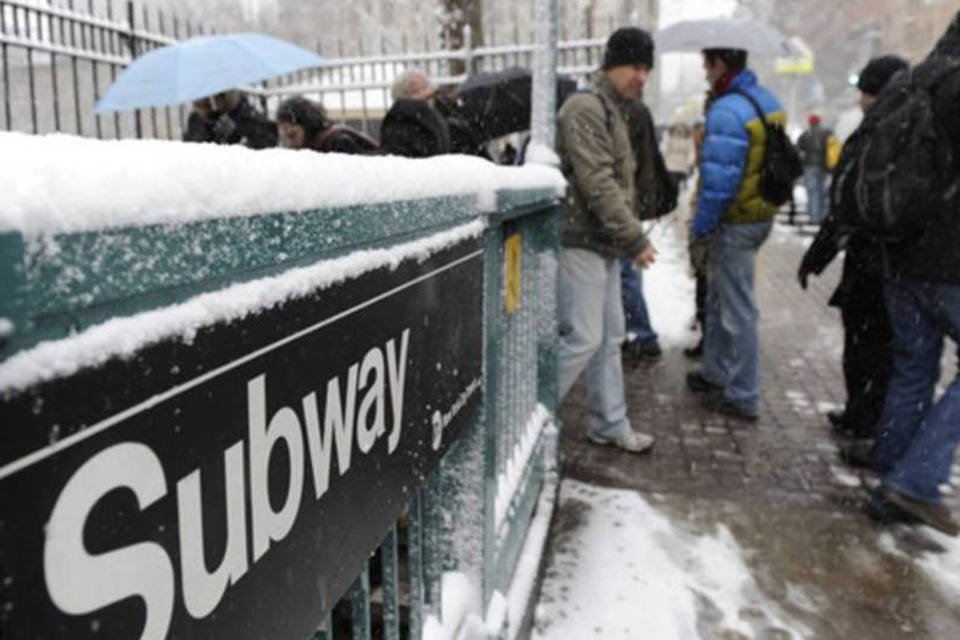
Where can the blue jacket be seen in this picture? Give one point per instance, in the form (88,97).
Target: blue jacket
(732,156)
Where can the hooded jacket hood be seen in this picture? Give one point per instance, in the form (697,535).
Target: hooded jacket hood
(414,129)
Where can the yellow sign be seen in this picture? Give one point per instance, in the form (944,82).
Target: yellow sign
(795,66)
(802,63)
(512,265)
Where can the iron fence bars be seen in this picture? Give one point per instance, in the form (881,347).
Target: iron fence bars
(390,591)
(132,45)
(4,52)
(355,89)
(37,40)
(56,58)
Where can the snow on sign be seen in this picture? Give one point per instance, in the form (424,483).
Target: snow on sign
(234,485)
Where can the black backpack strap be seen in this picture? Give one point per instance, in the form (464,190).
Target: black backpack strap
(606,108)
(755,105)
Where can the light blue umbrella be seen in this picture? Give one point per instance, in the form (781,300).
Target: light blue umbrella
(723,33)
(203,66)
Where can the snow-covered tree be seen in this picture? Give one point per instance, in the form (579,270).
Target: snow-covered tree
(453,16)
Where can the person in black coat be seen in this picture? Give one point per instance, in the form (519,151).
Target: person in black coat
(414,129)
(920,430)
(199,122)
(868,338)
(234,120)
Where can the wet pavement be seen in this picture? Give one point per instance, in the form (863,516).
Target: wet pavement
(778,486)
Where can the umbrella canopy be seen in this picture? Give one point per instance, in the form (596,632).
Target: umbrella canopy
(723,33)
(498,103)
(203,66)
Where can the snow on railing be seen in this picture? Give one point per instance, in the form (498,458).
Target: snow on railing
(65,184)
(509,478)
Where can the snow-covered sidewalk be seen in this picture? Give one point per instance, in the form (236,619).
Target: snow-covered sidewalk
(737,531)
(625,565)
(620,568)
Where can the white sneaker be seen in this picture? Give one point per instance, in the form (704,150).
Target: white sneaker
(633,442)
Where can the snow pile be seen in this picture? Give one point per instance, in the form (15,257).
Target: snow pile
(538,153)
(626,571)
(124,337)
(941,563)
(669,290)
(6,328)
(458,610)
(844,478)
(941,559)
(944,568)
(63,184)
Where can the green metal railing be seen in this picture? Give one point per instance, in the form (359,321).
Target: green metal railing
(520,354)
(471,515)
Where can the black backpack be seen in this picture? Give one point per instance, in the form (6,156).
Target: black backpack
(781,162)
(906,163)
(668,189)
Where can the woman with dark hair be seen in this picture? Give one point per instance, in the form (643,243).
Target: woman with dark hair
(304,124)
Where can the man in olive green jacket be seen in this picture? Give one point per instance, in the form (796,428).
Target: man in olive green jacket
(599,226)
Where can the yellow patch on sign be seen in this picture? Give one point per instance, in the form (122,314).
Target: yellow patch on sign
(512,265)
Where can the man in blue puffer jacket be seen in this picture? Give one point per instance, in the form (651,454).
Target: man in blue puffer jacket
(731,211)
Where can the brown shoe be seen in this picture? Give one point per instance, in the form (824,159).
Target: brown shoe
(935,515)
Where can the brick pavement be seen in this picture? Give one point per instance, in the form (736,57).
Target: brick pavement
(788,455)
(777,484)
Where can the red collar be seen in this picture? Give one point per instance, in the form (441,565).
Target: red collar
(723,82)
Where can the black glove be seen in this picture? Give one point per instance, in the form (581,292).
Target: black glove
(802,274)
(224,128)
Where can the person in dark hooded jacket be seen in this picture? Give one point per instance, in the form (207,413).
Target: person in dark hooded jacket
(304,125)
(868,338)
(414,129)
(919,434)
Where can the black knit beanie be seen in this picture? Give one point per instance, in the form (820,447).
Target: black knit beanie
(878,72)
(628,45)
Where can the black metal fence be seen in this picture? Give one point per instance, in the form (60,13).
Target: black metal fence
(56,60)
(57,57)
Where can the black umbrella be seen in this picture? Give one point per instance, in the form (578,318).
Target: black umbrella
(498,103)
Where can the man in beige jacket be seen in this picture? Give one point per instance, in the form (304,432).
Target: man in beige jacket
(599,227)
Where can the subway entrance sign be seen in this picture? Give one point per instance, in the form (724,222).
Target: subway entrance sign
(233,485)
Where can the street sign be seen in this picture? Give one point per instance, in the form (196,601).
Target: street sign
(803,63)
(233,485)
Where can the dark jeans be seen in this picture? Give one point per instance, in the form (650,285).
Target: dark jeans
(867,356)
(701,298)
(635,312)
(918,436)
